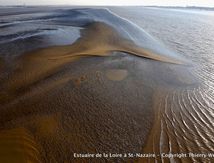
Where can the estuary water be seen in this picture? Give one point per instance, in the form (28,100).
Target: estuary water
(185,116)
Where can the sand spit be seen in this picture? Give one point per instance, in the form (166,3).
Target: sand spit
(97,39)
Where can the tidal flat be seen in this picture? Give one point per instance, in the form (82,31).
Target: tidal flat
(118,80)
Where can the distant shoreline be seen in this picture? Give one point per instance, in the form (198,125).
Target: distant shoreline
(168,7)
(184,8)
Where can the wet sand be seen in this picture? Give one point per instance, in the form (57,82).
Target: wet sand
(97,39)
(95,96)
(68,102)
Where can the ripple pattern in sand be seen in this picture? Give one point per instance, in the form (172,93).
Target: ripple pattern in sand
(184,125)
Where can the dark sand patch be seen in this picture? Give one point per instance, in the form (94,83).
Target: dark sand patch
(1,62)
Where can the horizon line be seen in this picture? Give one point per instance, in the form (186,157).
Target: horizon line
(107,5)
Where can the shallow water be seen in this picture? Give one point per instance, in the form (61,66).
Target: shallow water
(117,103)
(185,116)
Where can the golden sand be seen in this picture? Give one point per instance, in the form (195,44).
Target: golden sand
(47,125)
(116,74)
(98,39)
(18,146)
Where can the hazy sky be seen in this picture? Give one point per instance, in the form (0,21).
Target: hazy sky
(207,3)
